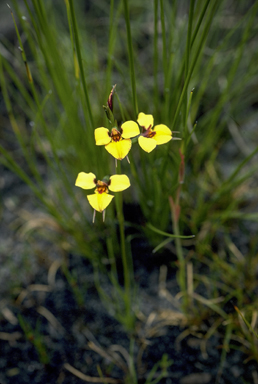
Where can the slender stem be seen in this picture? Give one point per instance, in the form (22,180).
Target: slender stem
(133,375)
(180,255)
(125,261)
(130,52)
(186,132)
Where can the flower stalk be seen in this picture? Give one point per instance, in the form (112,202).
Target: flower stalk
(125,260)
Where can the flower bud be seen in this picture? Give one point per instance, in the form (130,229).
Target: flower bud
(110,98)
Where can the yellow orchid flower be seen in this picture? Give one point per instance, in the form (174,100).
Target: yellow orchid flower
(151,137)
(101,199)
(117,143)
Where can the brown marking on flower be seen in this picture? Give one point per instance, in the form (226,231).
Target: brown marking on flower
(148,132)
(115,135)
(101,187)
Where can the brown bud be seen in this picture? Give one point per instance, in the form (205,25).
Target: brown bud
(110,98)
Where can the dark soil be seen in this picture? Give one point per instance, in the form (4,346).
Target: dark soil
(66,336)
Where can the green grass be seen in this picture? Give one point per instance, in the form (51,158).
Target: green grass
(193,66)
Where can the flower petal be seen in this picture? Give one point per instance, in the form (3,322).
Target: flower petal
(147,143)
(130,129)
(119,149)
(102,136)
(119,183)
(163,134)
(85,180)
(100,201)
(145,120)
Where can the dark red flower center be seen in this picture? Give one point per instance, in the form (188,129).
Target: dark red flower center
(148,132)
(101,187)
(115,135)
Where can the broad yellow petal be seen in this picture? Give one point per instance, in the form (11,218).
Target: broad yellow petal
(85,180)
(145,120)
(130,129)
(119,149)
(163,134)
(99,201)
(147,143)
(101,136)
(119,183)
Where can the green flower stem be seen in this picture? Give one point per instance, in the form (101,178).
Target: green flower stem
(130,53)
(125,261)
(186,132)
(180,255)
(133,375)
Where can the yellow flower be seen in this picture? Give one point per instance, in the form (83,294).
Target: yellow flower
(117,143)
(151,137)
(101,199)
